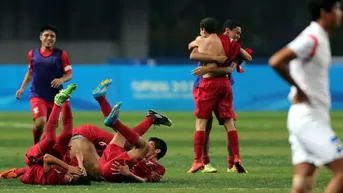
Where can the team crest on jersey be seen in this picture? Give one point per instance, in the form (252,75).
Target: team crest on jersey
(101,143)
(335,140)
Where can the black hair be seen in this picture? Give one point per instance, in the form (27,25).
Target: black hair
(315,6)
(49,27)
(231,24)
(209,24)
(161,145)
(80,181)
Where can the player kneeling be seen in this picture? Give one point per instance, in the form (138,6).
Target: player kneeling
(137,165)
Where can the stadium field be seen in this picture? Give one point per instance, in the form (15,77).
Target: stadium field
(264,149)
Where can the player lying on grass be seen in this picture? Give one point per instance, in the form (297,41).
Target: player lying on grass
(91,140)
(44,162)
(136,165)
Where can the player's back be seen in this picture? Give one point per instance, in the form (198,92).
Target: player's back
(211,45)
(311,69)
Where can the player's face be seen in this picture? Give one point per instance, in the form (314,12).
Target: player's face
(202,32)
(153,150)
(48,38)
(235,33)
(336,15)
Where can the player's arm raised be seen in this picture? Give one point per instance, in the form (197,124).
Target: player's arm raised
(301,48)
(50,160)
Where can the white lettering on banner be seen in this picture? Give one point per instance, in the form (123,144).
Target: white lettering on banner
(158,89)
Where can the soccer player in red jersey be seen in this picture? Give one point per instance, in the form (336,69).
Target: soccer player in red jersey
(91,140)
(49,68)
(215,92)
(231,29)
(136,165)
(44,162)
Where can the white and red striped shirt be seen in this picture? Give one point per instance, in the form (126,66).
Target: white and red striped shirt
(310,69)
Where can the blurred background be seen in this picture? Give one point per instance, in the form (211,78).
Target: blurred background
(142,45)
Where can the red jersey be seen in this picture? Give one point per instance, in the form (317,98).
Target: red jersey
(99,137)
(35,175)
(231,49)
(146,169)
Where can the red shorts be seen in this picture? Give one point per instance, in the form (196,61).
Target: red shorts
(214,95)
(195,93)
(99,137)
(40,107)
(113,153)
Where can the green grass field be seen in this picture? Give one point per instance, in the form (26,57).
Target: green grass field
(264,149)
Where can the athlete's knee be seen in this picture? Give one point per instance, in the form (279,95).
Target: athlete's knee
(229,125)
(40,123)
(302,184)
(201,124)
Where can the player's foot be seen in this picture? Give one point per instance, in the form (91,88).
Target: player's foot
(8,174)
(239,166)
(159,119)
(113,116)
(231,170)
(101,89)
(196,166)
(64,95)
(208,168)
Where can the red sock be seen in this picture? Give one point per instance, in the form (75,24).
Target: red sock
(232,136)
(37,133)
(144,126)
(105,106)
(50,131)
(67,122)
(205,157)
(199,141)
(131,136)
(20,171)
(230,161)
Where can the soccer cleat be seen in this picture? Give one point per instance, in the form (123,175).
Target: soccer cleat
(159,119)
(64,95)
(239,166)
(101,89)
(10,173)
(113,116)
(208,168)
(231,170)
(196,166)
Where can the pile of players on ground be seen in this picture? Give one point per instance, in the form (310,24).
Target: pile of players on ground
(88,153)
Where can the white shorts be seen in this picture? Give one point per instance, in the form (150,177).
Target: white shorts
(311,137)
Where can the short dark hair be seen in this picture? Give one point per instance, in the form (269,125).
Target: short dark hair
(49,27)
(209,24)
(231,24)
(161,145)
(315,6)
(80,181)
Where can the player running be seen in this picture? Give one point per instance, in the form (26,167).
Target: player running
(136,165)
(214,93)
(49,68)
(44,162)
(313,141)
(91,140)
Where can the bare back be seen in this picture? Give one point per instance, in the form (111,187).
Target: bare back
(211,45)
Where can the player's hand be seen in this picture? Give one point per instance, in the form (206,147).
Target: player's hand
(221,59)
(19,93)
(201,70)
(118,168)
(155,177)
(56,83)
(301,96)
(74,170)
(83,170)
